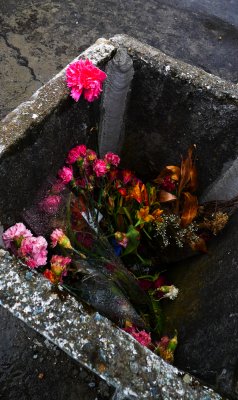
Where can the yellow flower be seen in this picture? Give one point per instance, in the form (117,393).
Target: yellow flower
(143,214)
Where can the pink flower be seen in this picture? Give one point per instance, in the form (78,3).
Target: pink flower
(112,159)
(83,77)
(142,337)
(60,260)
(100,168)
(164,342)
(55,236)
(66,174)
(16,232)
(75,153)
(93,91)
(50,204)
(127,176)
(34,251)
(58,237)
(59,265)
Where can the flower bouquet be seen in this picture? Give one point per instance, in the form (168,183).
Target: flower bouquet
(112,235)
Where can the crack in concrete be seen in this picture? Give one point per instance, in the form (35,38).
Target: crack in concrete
(21,60)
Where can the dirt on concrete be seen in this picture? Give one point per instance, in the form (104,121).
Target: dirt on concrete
(37,38)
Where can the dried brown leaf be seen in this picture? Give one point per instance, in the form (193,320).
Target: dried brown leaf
(166,196)
(188,172)
(174,171)
(190,209)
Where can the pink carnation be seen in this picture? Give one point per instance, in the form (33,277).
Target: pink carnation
(100,168)
(34,251)
(83,77)
(112,159)
(50,204)
(17,231)
(75,153)
(60,260)
(66,174)
(56,236)
(142,337)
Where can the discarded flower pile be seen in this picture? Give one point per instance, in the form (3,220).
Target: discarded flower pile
(109,216)
(111,213)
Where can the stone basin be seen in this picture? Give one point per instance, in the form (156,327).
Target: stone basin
(172,105)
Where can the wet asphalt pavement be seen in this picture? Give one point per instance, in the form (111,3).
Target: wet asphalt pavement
(37,38)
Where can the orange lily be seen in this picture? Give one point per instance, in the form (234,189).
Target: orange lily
(143,214)
(139,193)
(157,214)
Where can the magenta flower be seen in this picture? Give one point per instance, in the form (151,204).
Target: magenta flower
(100,168)
(34,251)
(15,233)
(112,159)
(167,184)
(76,153)
(50,204)
(66,174)
(84,78)
(142,337)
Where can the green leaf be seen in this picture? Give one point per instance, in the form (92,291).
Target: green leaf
(159,316)
(134,240)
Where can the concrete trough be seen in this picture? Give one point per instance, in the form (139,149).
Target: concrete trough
(172,105)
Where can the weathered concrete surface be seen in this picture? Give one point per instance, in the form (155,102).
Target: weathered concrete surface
(33,368)
(207,324)
(35,138)
(39,38)
(135,371)
(174,105)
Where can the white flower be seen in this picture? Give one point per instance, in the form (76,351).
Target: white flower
(170,292)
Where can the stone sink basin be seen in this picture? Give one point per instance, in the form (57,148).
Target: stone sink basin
(172,105)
